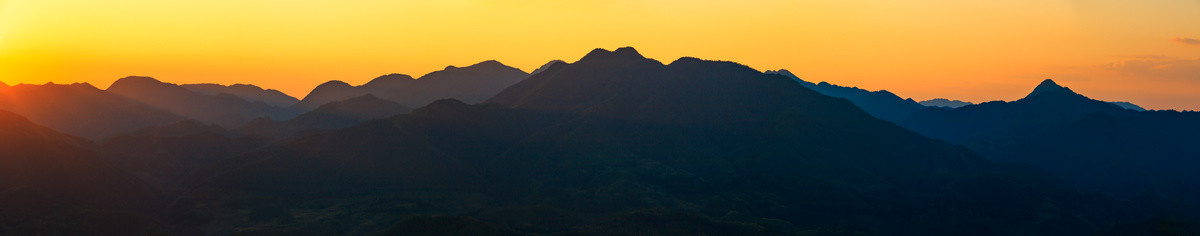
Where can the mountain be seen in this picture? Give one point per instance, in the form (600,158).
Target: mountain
(1094,145)
(947,103)
(616,141)
(1129,106)
(81,109)
(335,115)
(545,67)
(336,91)
(248,92)
(223,109)
(882,104)
(1048,85)
(3,86)
(470,84)
(51,184)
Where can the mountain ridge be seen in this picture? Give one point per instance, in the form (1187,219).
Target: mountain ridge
(472,84)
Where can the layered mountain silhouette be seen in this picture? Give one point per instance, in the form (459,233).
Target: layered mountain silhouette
(334,115)
(81,109)
(470,84)
(248,92)
(882,104)
(51,184)
(224,109)
(947,103)
(615,141)
(1093,144)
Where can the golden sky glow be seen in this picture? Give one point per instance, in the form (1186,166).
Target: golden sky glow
(977,50)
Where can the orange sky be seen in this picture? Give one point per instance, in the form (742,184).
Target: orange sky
(980,50)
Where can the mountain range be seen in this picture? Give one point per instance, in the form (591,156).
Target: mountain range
(248,92)
(1094,145)
(224,109)
(471,84)
(612,144)
(615,141)
(882,104)
(81,109)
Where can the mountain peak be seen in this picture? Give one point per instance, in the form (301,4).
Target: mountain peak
(488,63)
(625,53)
(1048,85)
(390,78)
(333,84)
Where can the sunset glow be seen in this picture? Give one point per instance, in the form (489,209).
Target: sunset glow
(1145,52)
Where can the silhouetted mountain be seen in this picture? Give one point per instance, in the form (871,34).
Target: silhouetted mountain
(1048,85)
(618,141)
(470,84)
(947,103)
(248,92)
(80,109)
(1129,106)
(3,86)
(50,184)
(223,109)
(1093,144)
(335,91)
(881,104)
(334,115)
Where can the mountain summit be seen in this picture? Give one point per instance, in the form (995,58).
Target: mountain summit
(1048,85)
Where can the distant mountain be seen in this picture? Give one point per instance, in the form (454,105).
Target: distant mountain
(81,109)
(882,104)
(245,91)
(947,103)
(223,109)
(337,90)
(470,84)
(335,115)
(50,184)
(614,141)
(1093,144)
(3,85)
(1129,106)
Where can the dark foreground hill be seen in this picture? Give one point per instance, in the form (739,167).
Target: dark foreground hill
(616,143)
(51,184)
(1095,145)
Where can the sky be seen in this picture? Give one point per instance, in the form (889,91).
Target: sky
(1146,52)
